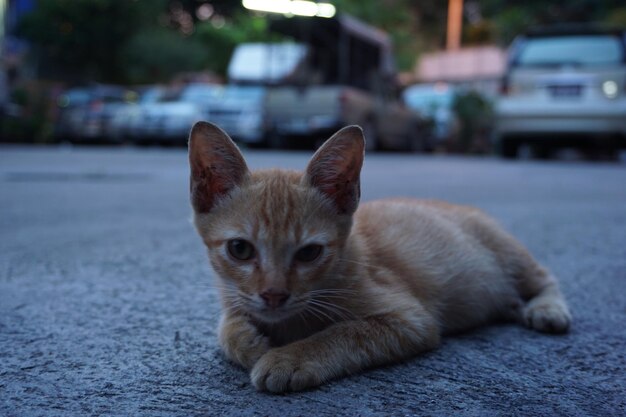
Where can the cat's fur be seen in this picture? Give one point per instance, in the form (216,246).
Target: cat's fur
(392,278)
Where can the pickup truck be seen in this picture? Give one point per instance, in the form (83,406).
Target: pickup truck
(318,111)
(338,72)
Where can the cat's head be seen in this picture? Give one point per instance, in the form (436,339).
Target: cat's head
(274,237)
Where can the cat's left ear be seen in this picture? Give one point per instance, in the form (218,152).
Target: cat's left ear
(216,163)
(336,167)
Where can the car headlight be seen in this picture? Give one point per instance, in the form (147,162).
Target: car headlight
(610,89)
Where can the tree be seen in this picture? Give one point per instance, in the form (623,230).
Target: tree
(220,40)
(511,17)
(79,40)
(413,26)
(157,54)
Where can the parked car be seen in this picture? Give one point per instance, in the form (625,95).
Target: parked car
(240,111)
(66,124)
(169,119)
(435,102)
(128,118)
(85,112)
(563,87)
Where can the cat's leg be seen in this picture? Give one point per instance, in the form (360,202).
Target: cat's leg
(241,341)
(545,309)
(345,348)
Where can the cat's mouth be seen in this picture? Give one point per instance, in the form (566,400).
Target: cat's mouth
(275,315)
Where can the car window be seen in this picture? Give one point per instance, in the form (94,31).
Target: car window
(112,99)
(244,92)
(583,50)
(202,94)
(428,100)
(170,95)
(263,62)
(74,98)
(151,95)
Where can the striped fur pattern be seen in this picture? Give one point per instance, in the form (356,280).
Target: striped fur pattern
(390,278)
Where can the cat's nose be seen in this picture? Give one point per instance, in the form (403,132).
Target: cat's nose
(274,299)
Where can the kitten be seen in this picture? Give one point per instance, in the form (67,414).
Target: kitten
(313,288)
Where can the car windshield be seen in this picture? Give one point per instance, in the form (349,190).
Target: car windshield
(582,50)
(428,100)
(244,92)
(201,94)
(258,62)
(75,97)
(151,95)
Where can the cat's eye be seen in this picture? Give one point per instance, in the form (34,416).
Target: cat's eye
(241,249)
(308,253)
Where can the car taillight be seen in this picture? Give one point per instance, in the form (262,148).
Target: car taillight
(505,87)
(344,97)
(96,105)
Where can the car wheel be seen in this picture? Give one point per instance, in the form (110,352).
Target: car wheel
(276,141)
(542,152)
(371,136)
(509,148)
(414,141)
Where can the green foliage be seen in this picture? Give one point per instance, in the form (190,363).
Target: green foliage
(511,17)
(141,41)
(32,123)
(479,33)
(413,26)
(475,113)
(156,55)
(83,37)
(219,41)
(617,17)
(134,41)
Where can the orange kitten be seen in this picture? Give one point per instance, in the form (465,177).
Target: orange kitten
(313,288)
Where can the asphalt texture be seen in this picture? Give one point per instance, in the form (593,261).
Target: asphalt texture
(107,305)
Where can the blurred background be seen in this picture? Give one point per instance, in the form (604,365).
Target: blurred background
(515,78)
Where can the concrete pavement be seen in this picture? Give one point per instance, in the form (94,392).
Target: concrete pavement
(107,306)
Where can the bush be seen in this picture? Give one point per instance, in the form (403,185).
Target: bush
(475,113)
(30,121)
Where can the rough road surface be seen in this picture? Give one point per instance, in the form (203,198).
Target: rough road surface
(107,306)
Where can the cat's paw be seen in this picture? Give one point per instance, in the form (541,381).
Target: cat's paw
(280,370)
(241,342)
(248,350)
(547,317)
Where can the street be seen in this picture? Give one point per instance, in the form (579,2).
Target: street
(107,304)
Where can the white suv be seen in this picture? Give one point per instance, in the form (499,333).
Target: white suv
(563,87)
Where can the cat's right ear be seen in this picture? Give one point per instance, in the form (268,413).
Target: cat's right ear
(216,164)
(335,168)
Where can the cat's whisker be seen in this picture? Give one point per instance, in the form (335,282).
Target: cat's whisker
(319,313)
(333,291)
(331,309)
(360,263)
(333,306)
(233,309)
(330,297)
(303,317)
(331,294)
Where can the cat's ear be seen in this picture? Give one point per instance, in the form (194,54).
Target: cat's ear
(336,167)
(216,163)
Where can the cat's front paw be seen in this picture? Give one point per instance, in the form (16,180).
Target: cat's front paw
(241,342)
(281,370)
(247,351)
(547,317)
